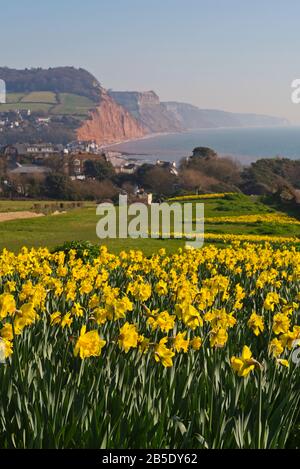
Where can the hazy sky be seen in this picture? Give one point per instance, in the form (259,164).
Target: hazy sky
(236,55)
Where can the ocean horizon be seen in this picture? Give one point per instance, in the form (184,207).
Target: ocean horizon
(245,144)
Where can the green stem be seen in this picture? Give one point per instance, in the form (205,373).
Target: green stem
(16,351)
(259,411)
(212,393)
(60,382)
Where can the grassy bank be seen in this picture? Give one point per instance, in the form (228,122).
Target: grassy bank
(80,224)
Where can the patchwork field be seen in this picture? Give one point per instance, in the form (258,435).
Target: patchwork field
(49,102)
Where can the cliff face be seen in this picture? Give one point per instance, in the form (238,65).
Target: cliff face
(148,110)
(110,123)
(191,117)
(156,116)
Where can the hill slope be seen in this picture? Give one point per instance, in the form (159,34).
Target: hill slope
(191,117)
(57,80)
(75,101)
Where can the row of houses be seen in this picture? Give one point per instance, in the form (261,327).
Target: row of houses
(37,159)
(20,119)
(47,149)
(43,150)
(32,162)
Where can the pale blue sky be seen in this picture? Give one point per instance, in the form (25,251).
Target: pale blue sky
(236,55)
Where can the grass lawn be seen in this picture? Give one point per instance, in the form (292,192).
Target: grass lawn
(80,224)
(15,205)
(14,97)
(25,106)
(40,97)
(73,104)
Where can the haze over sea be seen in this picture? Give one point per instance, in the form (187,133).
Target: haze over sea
(243,144)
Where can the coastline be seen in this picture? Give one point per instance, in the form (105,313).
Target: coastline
(243,144)
(186,131)
(145,137)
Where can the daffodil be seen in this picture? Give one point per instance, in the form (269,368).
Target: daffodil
(163,354)
(143,344)
(276,348)
(189,315)
(161,288)
(291,339)
(283,362)
(7,305)
(196,343)
(89,344)
(66,320)
(244,364)
(271,300)
(77,310)
(256,323)
(140,290)
(281,323)
(6,348)
(165,321)
(55,318)
(128,337)
(7,331)
(180,343)
(218,337)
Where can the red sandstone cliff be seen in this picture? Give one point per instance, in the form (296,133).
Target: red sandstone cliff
(110,123)
(148,110)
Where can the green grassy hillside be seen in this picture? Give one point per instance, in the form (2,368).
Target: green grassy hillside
(80,224)
(49,102)
(40,97)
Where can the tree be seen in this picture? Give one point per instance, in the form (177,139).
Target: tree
(95,190)
(206,161)
(205,153)
(99,169)
(58,186)
(55,162)
(271,172)
(199,156)
(3,166)
(193,180)
(160,181)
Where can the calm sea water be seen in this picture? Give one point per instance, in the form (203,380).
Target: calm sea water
(244,144)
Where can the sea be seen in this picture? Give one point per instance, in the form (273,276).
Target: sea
(243,144)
